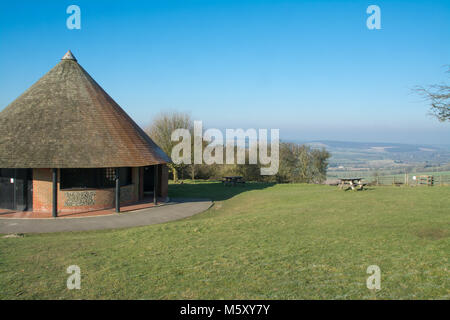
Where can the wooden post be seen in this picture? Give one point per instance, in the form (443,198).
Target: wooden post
(117,190)
(141,183)
(55,193)
(155,184)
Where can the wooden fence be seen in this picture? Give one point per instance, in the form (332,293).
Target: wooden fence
(408,179)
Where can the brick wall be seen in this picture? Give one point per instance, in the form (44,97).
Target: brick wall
(42,190)
(79,200)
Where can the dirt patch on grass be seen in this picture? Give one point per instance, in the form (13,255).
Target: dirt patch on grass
(14,235)
(217,205)
(432,233)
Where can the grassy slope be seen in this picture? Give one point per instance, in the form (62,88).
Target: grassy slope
(258,241)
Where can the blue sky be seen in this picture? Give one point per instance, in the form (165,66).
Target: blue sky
(310,68)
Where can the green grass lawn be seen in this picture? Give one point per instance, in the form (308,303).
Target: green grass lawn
(257,242)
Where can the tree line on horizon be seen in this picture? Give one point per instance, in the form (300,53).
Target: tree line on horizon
(297,163)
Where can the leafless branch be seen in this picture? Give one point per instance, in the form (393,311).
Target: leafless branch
(439,97)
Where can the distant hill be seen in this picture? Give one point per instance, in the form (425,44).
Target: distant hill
(384,156)
(378,146)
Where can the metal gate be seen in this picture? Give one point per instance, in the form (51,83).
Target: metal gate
(7,200)
(16,189)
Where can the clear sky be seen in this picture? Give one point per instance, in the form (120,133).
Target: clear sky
(310,68)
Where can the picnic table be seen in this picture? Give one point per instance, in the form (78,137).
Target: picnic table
(232,180)
(351,183)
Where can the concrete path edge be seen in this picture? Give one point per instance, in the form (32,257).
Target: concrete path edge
(176,209)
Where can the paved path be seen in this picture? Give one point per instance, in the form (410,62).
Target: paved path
(174,210)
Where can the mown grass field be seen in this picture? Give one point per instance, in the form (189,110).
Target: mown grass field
(256,242)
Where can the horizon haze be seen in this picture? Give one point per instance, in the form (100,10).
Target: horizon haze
(311,69)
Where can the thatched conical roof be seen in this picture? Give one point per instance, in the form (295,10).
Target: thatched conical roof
(66,120)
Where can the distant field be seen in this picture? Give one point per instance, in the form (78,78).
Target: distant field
(364,158)
(443,176)
(258,241)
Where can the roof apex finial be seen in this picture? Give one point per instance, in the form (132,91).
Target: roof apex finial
(69,56)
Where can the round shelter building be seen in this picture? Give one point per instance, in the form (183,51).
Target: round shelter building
(67,146)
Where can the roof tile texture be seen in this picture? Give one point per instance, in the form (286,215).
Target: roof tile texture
(66,120)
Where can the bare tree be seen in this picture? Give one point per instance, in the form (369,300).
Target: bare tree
(160,130)
(439,97)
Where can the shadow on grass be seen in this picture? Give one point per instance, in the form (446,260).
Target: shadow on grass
(215,191)
(358,190)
